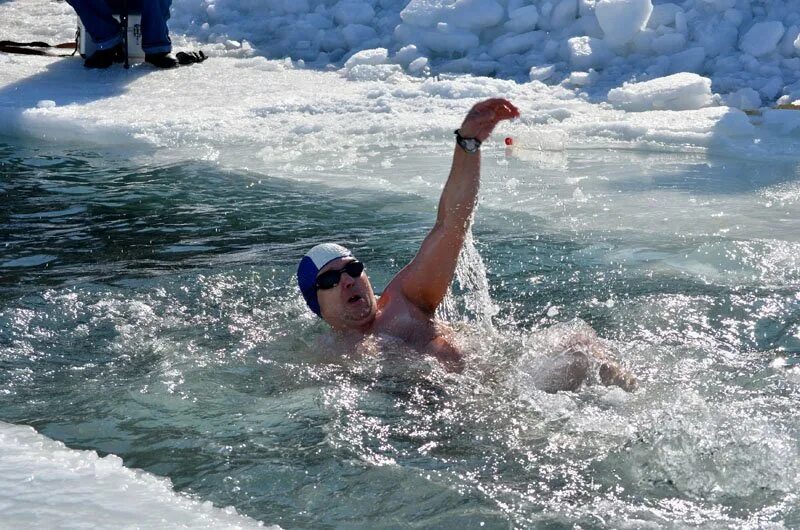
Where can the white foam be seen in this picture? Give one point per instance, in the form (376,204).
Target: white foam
(44,484)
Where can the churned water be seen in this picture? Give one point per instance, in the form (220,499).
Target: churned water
(149,310)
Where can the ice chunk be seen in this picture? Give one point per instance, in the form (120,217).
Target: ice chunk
(423,13)
(510,44)
(786,121)
(588,52)
(621,20)
(744,99)
(683,91)
(786,46)
(522,19)
(770,88)
(374,56)
(357,35)
(476,14)
(721,5)
(582,78)
(444,40)
(353,12)
(690,60)
(542,73)
(669,44)
(46,104)
(663,15)
(734,123)
(762,38)
(564,13)
(406,54)
(419,66)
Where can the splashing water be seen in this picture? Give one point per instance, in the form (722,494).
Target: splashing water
(164,327)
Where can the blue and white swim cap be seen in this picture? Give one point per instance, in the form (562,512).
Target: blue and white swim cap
(311,264)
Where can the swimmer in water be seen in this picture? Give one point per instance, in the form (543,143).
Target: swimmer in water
(336,288)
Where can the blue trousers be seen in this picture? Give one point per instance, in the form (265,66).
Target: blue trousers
(105,31)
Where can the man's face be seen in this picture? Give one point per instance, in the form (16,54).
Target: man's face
(350,304)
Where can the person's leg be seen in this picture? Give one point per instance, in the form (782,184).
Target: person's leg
(155,34)
(99,22)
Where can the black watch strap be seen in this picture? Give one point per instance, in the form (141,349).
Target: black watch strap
(470,145)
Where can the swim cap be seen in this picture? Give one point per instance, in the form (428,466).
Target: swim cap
(311,264)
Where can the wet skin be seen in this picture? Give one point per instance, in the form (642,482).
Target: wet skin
(407,306)
(353,311)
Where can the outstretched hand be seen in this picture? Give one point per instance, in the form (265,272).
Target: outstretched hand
(484,116)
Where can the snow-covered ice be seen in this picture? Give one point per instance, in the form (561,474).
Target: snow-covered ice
(44,484)
(252,106)
(676,92)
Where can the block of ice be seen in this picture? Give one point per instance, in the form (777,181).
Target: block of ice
(374,56)
(720,5)
(582,78)
(785,121)
(683,91)
(443,40)
(358,35)
(786,46)
(621,20)
(690,60)
(541,73)
(406,54)
(663,15)
(419,66)
(588,52)
(762,38)
(522,19)
(734,123)
(423,13)
(476,14)
(353,12)
(744,99)
(770,88)
(564,13)
(510,44)
(669,44)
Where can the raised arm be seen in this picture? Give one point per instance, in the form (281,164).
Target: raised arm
(424,281)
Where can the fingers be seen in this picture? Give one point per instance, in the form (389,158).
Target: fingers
(484,116)
(495,109)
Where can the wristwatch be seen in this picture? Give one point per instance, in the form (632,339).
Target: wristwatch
(470,145)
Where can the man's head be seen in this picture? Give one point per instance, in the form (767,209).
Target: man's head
(336,288)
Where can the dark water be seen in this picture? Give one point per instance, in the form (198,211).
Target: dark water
(149,311)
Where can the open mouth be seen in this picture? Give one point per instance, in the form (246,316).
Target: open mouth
(354,298)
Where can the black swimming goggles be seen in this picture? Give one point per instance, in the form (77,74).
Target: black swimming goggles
(330,279)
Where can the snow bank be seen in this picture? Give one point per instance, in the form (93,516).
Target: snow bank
(241,110)
(737,44)
(43,484)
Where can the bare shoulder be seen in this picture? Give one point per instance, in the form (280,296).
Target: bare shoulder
(394,298)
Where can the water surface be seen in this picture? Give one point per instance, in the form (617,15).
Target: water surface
(148,309)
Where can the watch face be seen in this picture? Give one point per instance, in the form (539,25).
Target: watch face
(470,145)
